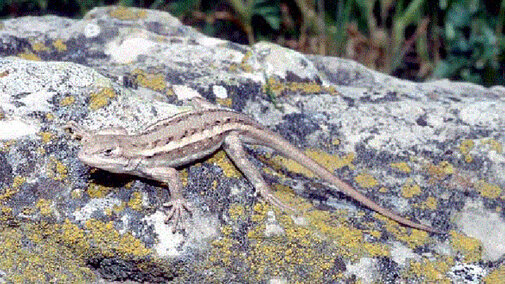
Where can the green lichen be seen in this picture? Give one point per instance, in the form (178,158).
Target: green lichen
(66,101)
(465,147)
(366,180)
(56,170)
(428,271)
(410,189)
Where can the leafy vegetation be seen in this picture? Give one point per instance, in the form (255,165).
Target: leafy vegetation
(415,39)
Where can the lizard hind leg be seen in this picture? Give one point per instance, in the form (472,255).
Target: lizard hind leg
(234,149)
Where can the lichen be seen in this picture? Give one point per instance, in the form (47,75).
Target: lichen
(127,14)
(59,45)
(487,189)
(428,271)
(101,98)
(46,136)
(56,170)
(410,189)
(222,160)
(366,180)
(402,167)
(470,248)
(135,201)
(154,82)
(496,276)
(44,206)
(465,147)
(29,56)
(66,101)
(97,190)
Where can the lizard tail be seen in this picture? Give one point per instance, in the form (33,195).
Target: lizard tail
(276,142)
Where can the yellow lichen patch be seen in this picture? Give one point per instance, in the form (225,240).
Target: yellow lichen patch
(42,257)
(101,99)
(494,145)
(154,82)
(110,242)
(46,136)
(56,170)
(496,276)
(29,56)
(465,147)
(366,180)
(410,189)
(431,203)
(430,271)
(44,207)
(127,14)
(330,162)
(97,190)
(279,88)
(66,101)
(412,237)
(439,172)
(119,208)
(18,181)
(59,45)
(39,47)
(402,167)
(469,247)
(236,211)
(487,189)
(224,102)
(222,160)
(49,116)
(135,201)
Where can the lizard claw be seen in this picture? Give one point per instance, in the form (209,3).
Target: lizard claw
(78,132)
(178,206)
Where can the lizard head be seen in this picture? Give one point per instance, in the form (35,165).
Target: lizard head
(103,152)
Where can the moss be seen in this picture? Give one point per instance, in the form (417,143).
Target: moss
(59,45)
(66,101)
(487,189)
(154,82)
(410,190)
(135,201)
(496,276)
(470,248)
(127,14)
(101,98)
(402,167)
(366,180)
(465,147)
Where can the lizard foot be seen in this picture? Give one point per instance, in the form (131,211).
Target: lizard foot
(177,207)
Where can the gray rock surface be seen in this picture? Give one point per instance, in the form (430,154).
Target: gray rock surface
(430,151)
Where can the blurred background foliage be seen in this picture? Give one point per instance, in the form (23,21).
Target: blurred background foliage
(413,39)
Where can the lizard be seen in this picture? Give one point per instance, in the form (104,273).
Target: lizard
(156,151)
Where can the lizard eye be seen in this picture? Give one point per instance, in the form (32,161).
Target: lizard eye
(110,151)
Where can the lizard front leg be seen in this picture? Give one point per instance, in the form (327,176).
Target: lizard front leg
(233,147)
(177,203)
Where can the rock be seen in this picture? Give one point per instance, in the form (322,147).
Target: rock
(425,150)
